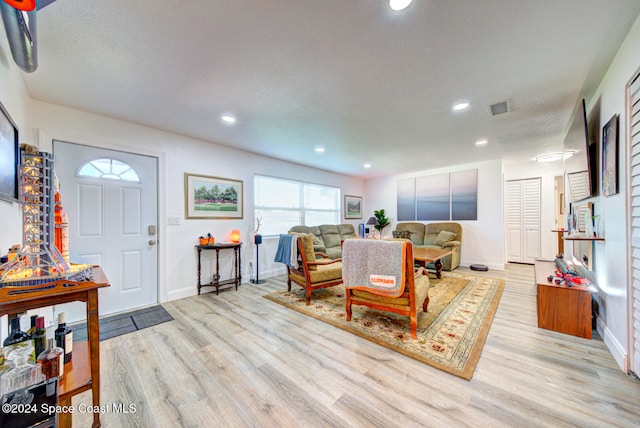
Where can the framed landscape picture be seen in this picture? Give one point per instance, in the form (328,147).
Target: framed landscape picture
(209,197)
(352,207)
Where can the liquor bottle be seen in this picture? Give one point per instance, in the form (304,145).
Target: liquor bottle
(39,336)
(52,360)
(64,337)
(32,329)
(16,334)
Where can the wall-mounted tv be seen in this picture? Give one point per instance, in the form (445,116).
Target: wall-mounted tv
(9,157)
(581,169)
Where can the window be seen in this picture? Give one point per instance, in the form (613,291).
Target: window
(283,204)
(109,169)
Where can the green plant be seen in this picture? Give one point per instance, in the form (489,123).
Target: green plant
(383,221)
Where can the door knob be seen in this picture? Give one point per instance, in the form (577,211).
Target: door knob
(152,242)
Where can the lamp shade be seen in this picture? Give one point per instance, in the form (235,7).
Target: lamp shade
(372,220)
(235,235)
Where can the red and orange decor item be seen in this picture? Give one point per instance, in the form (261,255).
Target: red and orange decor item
(235,236)
(61,225)
(26,5)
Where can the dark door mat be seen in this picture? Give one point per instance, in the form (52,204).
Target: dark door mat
(116,325)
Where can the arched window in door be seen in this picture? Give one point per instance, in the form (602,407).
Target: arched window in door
(109,169)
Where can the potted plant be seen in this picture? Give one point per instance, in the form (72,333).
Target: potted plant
(382,221)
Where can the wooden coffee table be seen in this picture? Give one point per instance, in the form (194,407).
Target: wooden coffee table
(423,256)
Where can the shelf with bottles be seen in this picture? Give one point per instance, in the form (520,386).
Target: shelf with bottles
(82,373)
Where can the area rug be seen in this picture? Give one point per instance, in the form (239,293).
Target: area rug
(119,324)
(451,334)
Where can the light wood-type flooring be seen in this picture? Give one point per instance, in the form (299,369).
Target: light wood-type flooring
(239,360)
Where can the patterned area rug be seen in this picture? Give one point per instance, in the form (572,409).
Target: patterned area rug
(451,334)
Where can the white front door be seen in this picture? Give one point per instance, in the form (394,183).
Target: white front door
(111,200)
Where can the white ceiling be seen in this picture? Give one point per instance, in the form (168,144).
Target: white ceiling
(367,83)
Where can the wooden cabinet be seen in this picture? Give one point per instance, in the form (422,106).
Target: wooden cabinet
(82,373)
(561,308)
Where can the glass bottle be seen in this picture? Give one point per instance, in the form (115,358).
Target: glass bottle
(64,337)
(32,329)
(39,336)
(52,360)
(16,334)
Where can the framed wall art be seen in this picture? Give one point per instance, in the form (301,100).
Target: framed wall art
(208,197)
(9,157)
(610,157)
(352,207)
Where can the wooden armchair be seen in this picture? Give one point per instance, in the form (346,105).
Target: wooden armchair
(379,275)
(315,270)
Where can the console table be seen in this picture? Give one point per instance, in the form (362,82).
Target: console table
(237,263)
(82,373)
(562,308)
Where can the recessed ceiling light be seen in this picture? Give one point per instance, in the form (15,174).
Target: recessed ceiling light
(481,142)
(461,106)
(366,165)
(228,118)
(399,4)
(319,149)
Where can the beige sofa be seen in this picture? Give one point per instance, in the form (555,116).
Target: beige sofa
(327,238)
(437,235)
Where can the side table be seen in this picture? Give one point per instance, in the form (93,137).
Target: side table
(237,263)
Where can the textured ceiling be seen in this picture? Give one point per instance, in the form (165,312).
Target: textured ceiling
(366,83)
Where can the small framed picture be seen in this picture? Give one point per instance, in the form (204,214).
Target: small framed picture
(352,207)
(209,197)
(610,157)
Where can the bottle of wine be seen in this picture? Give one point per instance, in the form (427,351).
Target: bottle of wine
(16,334)
(64,337)
(52,360)
(32,329)
(39,336)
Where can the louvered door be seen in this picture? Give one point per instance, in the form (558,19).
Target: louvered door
(633,121)
(523,220)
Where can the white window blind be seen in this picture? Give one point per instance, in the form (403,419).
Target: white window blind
(633,121)
(281,204)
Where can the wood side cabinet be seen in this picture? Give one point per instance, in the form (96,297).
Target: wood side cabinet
(561,308)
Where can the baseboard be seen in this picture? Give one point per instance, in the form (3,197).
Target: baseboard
(264,274)
(182,293)
(617,350)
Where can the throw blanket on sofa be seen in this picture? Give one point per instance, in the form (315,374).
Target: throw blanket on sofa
(287,251)
(374,266)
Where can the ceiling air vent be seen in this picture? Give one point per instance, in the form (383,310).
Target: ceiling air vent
(498,108)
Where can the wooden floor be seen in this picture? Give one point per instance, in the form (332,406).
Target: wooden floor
(239,360)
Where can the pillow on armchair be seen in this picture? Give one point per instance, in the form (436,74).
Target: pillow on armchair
(402,234)
(444,237)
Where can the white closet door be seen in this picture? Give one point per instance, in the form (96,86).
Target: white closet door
(531,219)
(514,221)
(523,220)
(633,121)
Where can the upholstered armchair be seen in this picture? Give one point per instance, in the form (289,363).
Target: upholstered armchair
(314,270)
(379,275)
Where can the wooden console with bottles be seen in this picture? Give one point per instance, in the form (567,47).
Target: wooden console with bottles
(82,373)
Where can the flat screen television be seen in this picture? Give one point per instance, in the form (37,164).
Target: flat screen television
(581,169)
(9,157)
